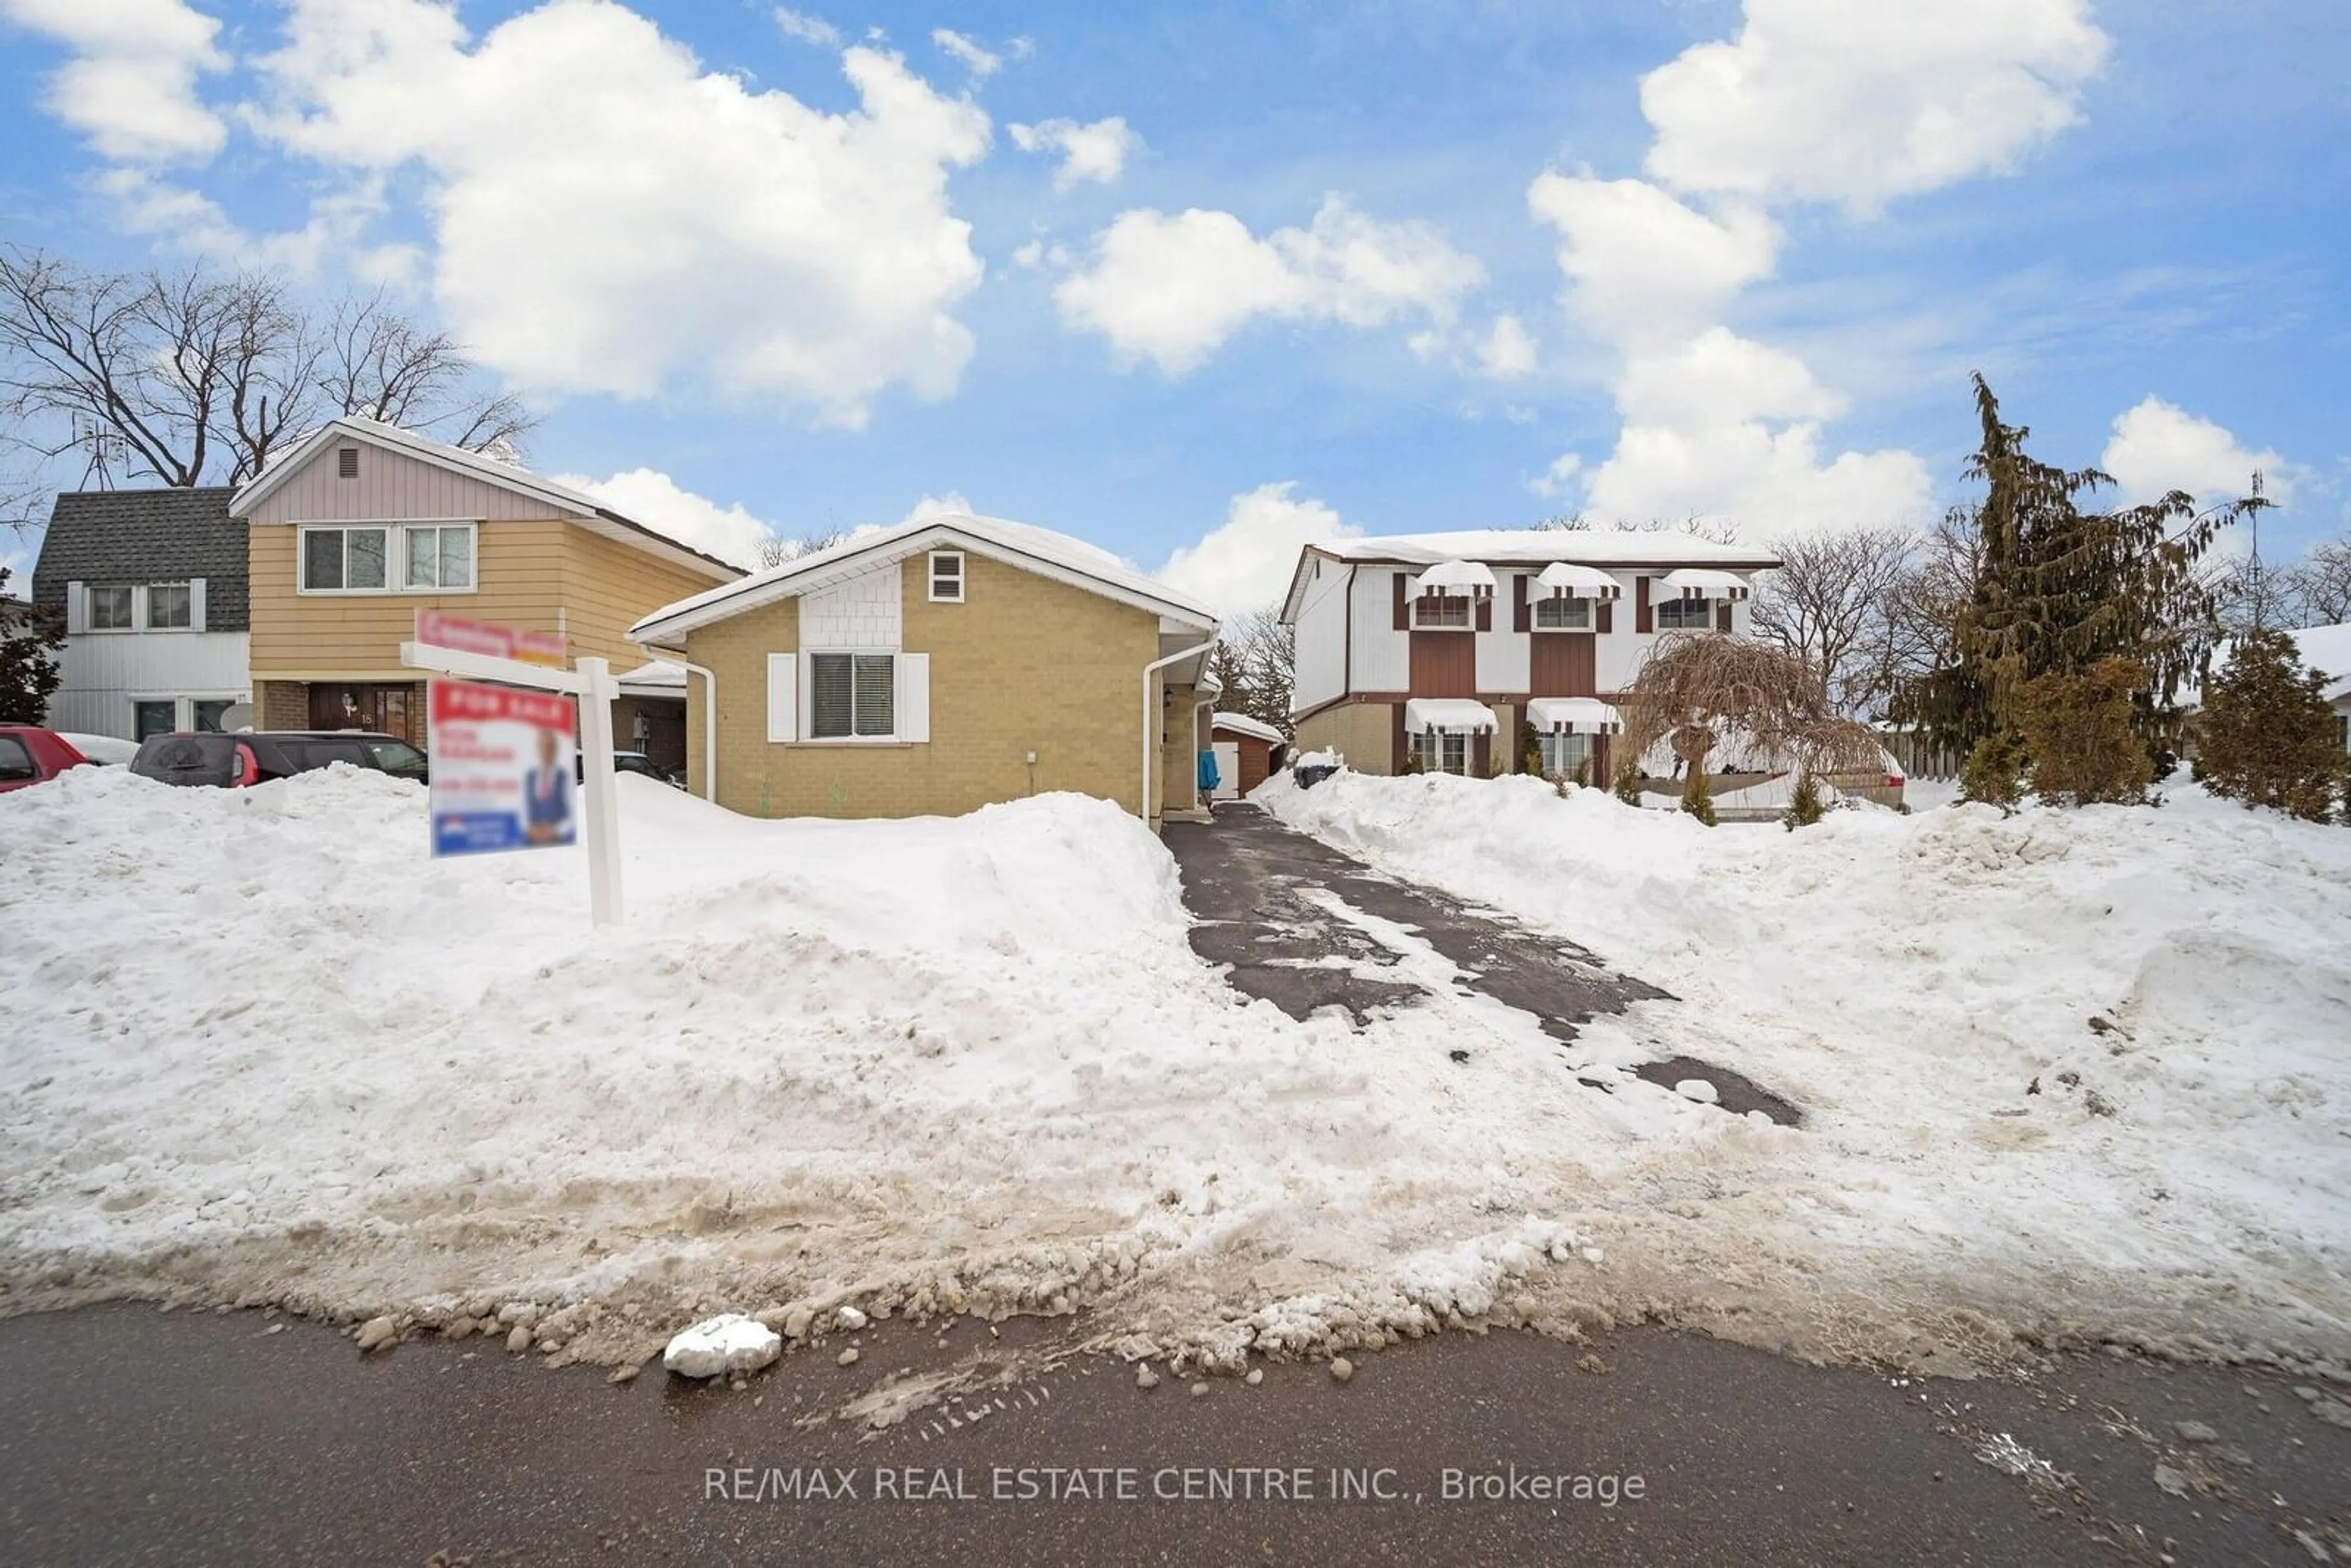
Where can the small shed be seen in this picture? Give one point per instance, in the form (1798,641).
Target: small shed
(1245,750)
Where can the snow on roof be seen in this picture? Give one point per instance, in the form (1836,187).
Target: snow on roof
(659,673)
(1023,544)
(1242,724)
(2327,649)
(1595,547)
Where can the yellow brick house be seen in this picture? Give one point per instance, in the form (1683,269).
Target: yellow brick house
(938,666)
(361,525)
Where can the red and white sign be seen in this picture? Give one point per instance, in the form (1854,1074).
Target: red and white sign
(436,630)
(502,768)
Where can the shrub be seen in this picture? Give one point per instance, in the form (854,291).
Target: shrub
(1583,772)
(1804,807)
(2266,736)
(1530,749)
(1412,762)
(1696,798)
(1993,773)
(2078,730)
(1626,786)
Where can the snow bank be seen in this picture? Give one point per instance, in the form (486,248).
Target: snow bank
(262,1048)
(2085,1069)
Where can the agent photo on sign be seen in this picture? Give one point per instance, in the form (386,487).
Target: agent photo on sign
(546,796)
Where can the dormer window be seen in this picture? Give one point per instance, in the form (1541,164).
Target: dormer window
(947,576)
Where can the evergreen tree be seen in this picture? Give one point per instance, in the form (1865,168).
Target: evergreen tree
(1804,807)
(2266,736)
(1626,786)
(2077,730)
(28,662)
(2058,590)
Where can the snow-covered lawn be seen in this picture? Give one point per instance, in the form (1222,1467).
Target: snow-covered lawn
(2068,1069)
(258,1046)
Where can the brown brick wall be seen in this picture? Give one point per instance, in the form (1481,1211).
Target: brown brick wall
(1025,664)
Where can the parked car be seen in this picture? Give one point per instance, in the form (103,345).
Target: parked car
(105,750)
(629,762)
(256,756)
(29,755)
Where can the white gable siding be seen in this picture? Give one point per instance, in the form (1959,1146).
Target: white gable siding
(390,487)
(1382,656)
(1321,673)
(1504,655)
(862,611)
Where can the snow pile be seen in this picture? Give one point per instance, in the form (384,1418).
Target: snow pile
(2075,1069)
(717,1347)
(261,1047)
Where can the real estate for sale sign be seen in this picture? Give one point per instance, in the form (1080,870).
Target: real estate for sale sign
(503,768)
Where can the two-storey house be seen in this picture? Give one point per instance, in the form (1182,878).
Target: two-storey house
(151,587)
(361,525)
(1439,646)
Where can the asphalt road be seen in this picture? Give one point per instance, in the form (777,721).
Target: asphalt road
(132,1435)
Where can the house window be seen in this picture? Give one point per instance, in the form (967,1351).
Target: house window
(1441,611)
(852,696)
(343,561)
(1685,614)
(110,607)
(1442,751)
(947,576)
(1563,754)
(1564,614)
(154,717)
(441,557)
(210,711)
(167,607)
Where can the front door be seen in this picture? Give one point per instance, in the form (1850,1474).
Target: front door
(387,709)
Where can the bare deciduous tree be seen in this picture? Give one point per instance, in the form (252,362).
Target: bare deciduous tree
(1828,605)
(2321,584)
(774,553)
(191,377)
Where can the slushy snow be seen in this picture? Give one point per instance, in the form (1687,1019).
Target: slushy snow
(261,1047)
(716,1347)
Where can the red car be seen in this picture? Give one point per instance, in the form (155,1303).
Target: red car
(29,754)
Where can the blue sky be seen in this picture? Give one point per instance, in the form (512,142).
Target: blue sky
(1781,263)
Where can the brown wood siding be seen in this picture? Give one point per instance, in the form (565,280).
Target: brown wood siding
(1522,615)
(1563,664)
(1722,616)
(1643,621)
(1444,665)
(1484,614)
(390,485)
(540,575)
(1402,606)
(1604,616)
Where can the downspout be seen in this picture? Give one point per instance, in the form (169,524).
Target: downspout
(1151,721)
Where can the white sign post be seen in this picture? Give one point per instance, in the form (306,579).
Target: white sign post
(591,682)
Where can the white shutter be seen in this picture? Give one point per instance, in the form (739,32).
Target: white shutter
(77,608)
(783,696)
(913,695)
(196,604)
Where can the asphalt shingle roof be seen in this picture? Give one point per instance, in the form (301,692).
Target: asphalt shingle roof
(148,536)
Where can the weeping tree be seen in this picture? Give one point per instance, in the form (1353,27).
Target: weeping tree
(1698,690)
(2059,590)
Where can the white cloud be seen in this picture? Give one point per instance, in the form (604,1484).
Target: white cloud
(1095,152)
(807,29)
(1507,351)
(131,86)
(2159,447)
(1859,101)
(948,504)
(1172,289)
(653,498)
(1244,563)
(979,61)
(1640,264)
(1847,101)
(1553,481)
(608,217)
